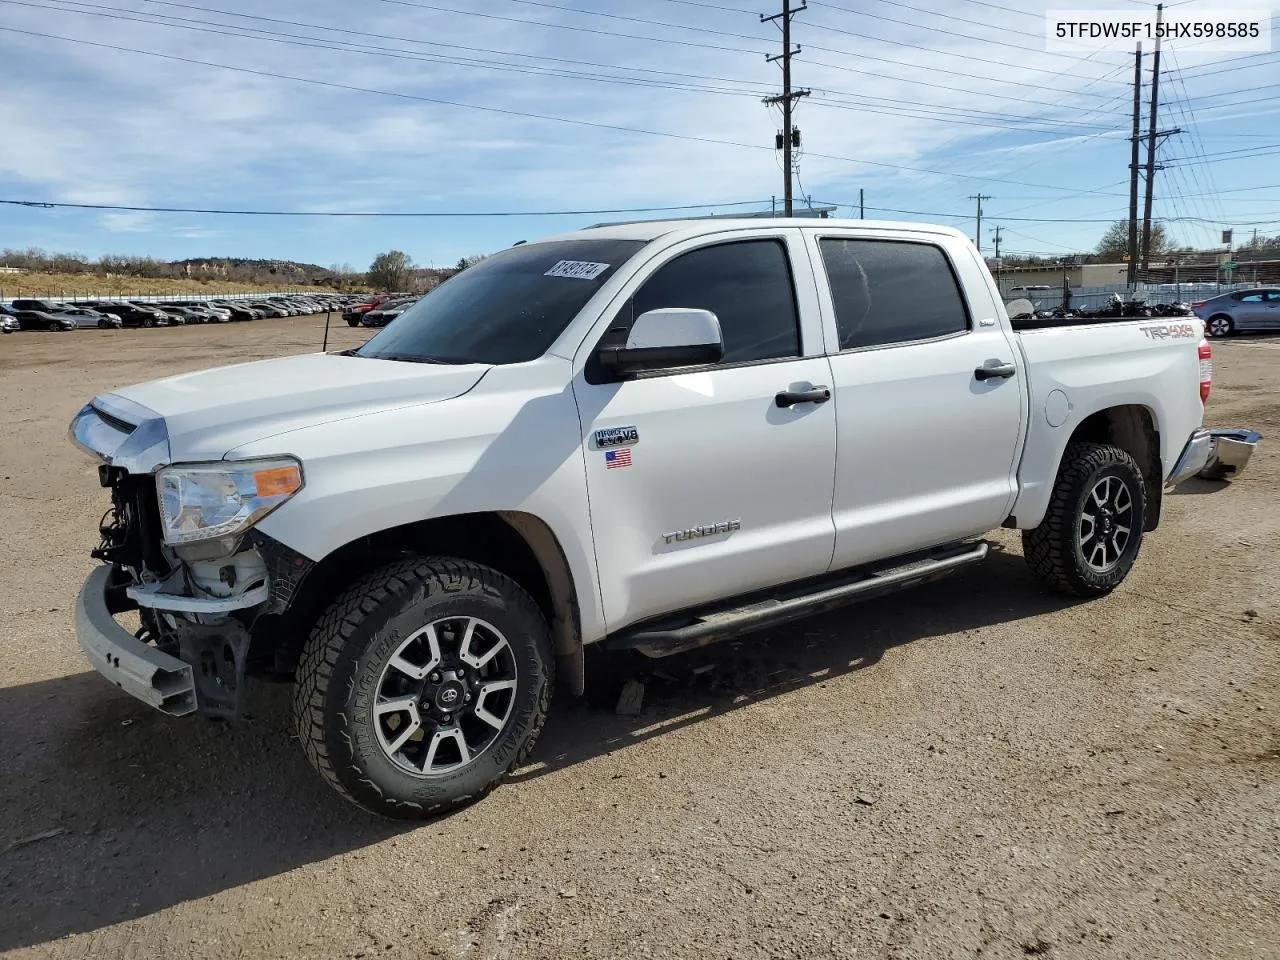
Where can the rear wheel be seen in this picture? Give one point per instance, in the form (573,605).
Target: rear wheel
(1220,325)
(423,685)
(1092,531)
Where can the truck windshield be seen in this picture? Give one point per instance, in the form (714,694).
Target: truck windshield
(508,308)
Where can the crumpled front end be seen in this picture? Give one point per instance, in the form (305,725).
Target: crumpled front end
(197,602)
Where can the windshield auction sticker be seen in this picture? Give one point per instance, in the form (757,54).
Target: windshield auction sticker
(577,269)
(1185,30)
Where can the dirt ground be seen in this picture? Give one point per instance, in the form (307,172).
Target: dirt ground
(974,769)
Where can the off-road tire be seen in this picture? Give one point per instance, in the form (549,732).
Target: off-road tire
(1231,326)
(337,676)
(1052,549)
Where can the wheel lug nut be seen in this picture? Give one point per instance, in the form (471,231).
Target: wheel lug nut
(435,678)
(445,717)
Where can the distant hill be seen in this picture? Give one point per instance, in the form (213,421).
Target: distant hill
(261,271)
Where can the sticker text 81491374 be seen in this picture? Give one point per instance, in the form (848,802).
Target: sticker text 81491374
(577,269)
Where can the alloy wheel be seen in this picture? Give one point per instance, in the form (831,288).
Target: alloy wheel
(1106,524)
(445,695)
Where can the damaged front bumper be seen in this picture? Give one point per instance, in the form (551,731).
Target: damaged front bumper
(139,669)
(199,661)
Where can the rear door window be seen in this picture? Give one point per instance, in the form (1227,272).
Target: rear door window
(890,291)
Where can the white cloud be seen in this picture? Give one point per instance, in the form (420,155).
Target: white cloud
(97,125)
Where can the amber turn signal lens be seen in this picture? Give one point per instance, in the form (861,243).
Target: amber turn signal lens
(277,481)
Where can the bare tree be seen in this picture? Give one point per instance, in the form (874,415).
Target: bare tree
(390,271)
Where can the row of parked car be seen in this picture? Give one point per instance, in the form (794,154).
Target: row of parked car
(30,314)
(377,311)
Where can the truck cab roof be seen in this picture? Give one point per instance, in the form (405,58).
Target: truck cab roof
(688,228)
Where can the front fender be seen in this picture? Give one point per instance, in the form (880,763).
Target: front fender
(513,445)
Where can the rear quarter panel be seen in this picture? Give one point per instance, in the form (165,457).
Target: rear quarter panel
(1152,363)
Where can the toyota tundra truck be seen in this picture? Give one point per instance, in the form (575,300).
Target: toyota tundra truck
(650,436)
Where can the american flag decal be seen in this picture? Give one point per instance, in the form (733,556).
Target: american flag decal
(617,458)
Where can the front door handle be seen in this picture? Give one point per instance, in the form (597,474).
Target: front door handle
(1002,370)
(789,398)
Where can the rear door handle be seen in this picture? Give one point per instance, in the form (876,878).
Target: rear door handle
(789,398)
(1002,370)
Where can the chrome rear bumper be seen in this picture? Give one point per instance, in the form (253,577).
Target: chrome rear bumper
(1193,458)
(1230,453)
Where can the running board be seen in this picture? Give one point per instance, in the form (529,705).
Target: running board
(657,640)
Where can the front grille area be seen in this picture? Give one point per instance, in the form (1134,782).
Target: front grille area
(130,530)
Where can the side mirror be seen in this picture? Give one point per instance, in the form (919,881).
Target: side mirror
(669,337)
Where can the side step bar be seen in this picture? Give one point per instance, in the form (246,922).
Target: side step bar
(658,641)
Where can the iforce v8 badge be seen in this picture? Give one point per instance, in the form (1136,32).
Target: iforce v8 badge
(617,437)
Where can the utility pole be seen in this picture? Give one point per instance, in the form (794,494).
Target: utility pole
(997,236)
(862,210)
(978,234)
(790,135)
(1132,246)
(1151,143)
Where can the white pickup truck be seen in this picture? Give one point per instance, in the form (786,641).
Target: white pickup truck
(649,435)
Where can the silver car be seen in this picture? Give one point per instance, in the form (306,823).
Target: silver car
(1257,309)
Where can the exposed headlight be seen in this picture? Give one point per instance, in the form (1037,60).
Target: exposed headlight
(202,501)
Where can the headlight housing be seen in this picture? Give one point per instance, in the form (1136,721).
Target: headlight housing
(207,500)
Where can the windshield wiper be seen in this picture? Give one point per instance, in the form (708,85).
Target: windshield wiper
(414,358)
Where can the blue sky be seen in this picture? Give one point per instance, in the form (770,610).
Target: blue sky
(920,103)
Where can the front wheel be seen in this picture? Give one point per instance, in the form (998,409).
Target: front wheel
(1092,531)
(423,685)
(1220,326)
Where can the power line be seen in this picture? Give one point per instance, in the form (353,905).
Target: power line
(919,26)
(1094,136)
(1196,74)
(969,216)
(712,6)
(1227,157)
(741,36)
(683,27)
(1229,93)
(391,213)
(387,93)
(915,46)
(440,101)
(41,204)
(562,60)
(930,13)
(1209,184)
(233,30)
(566,26)
(975,120)
(432,43)
(323,43)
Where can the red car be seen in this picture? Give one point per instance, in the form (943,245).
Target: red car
(353,312)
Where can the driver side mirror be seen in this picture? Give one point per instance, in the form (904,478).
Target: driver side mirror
(668,337)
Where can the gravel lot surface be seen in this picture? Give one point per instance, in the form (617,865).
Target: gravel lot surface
(974,769)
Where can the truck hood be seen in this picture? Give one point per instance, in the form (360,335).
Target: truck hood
(203,415)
